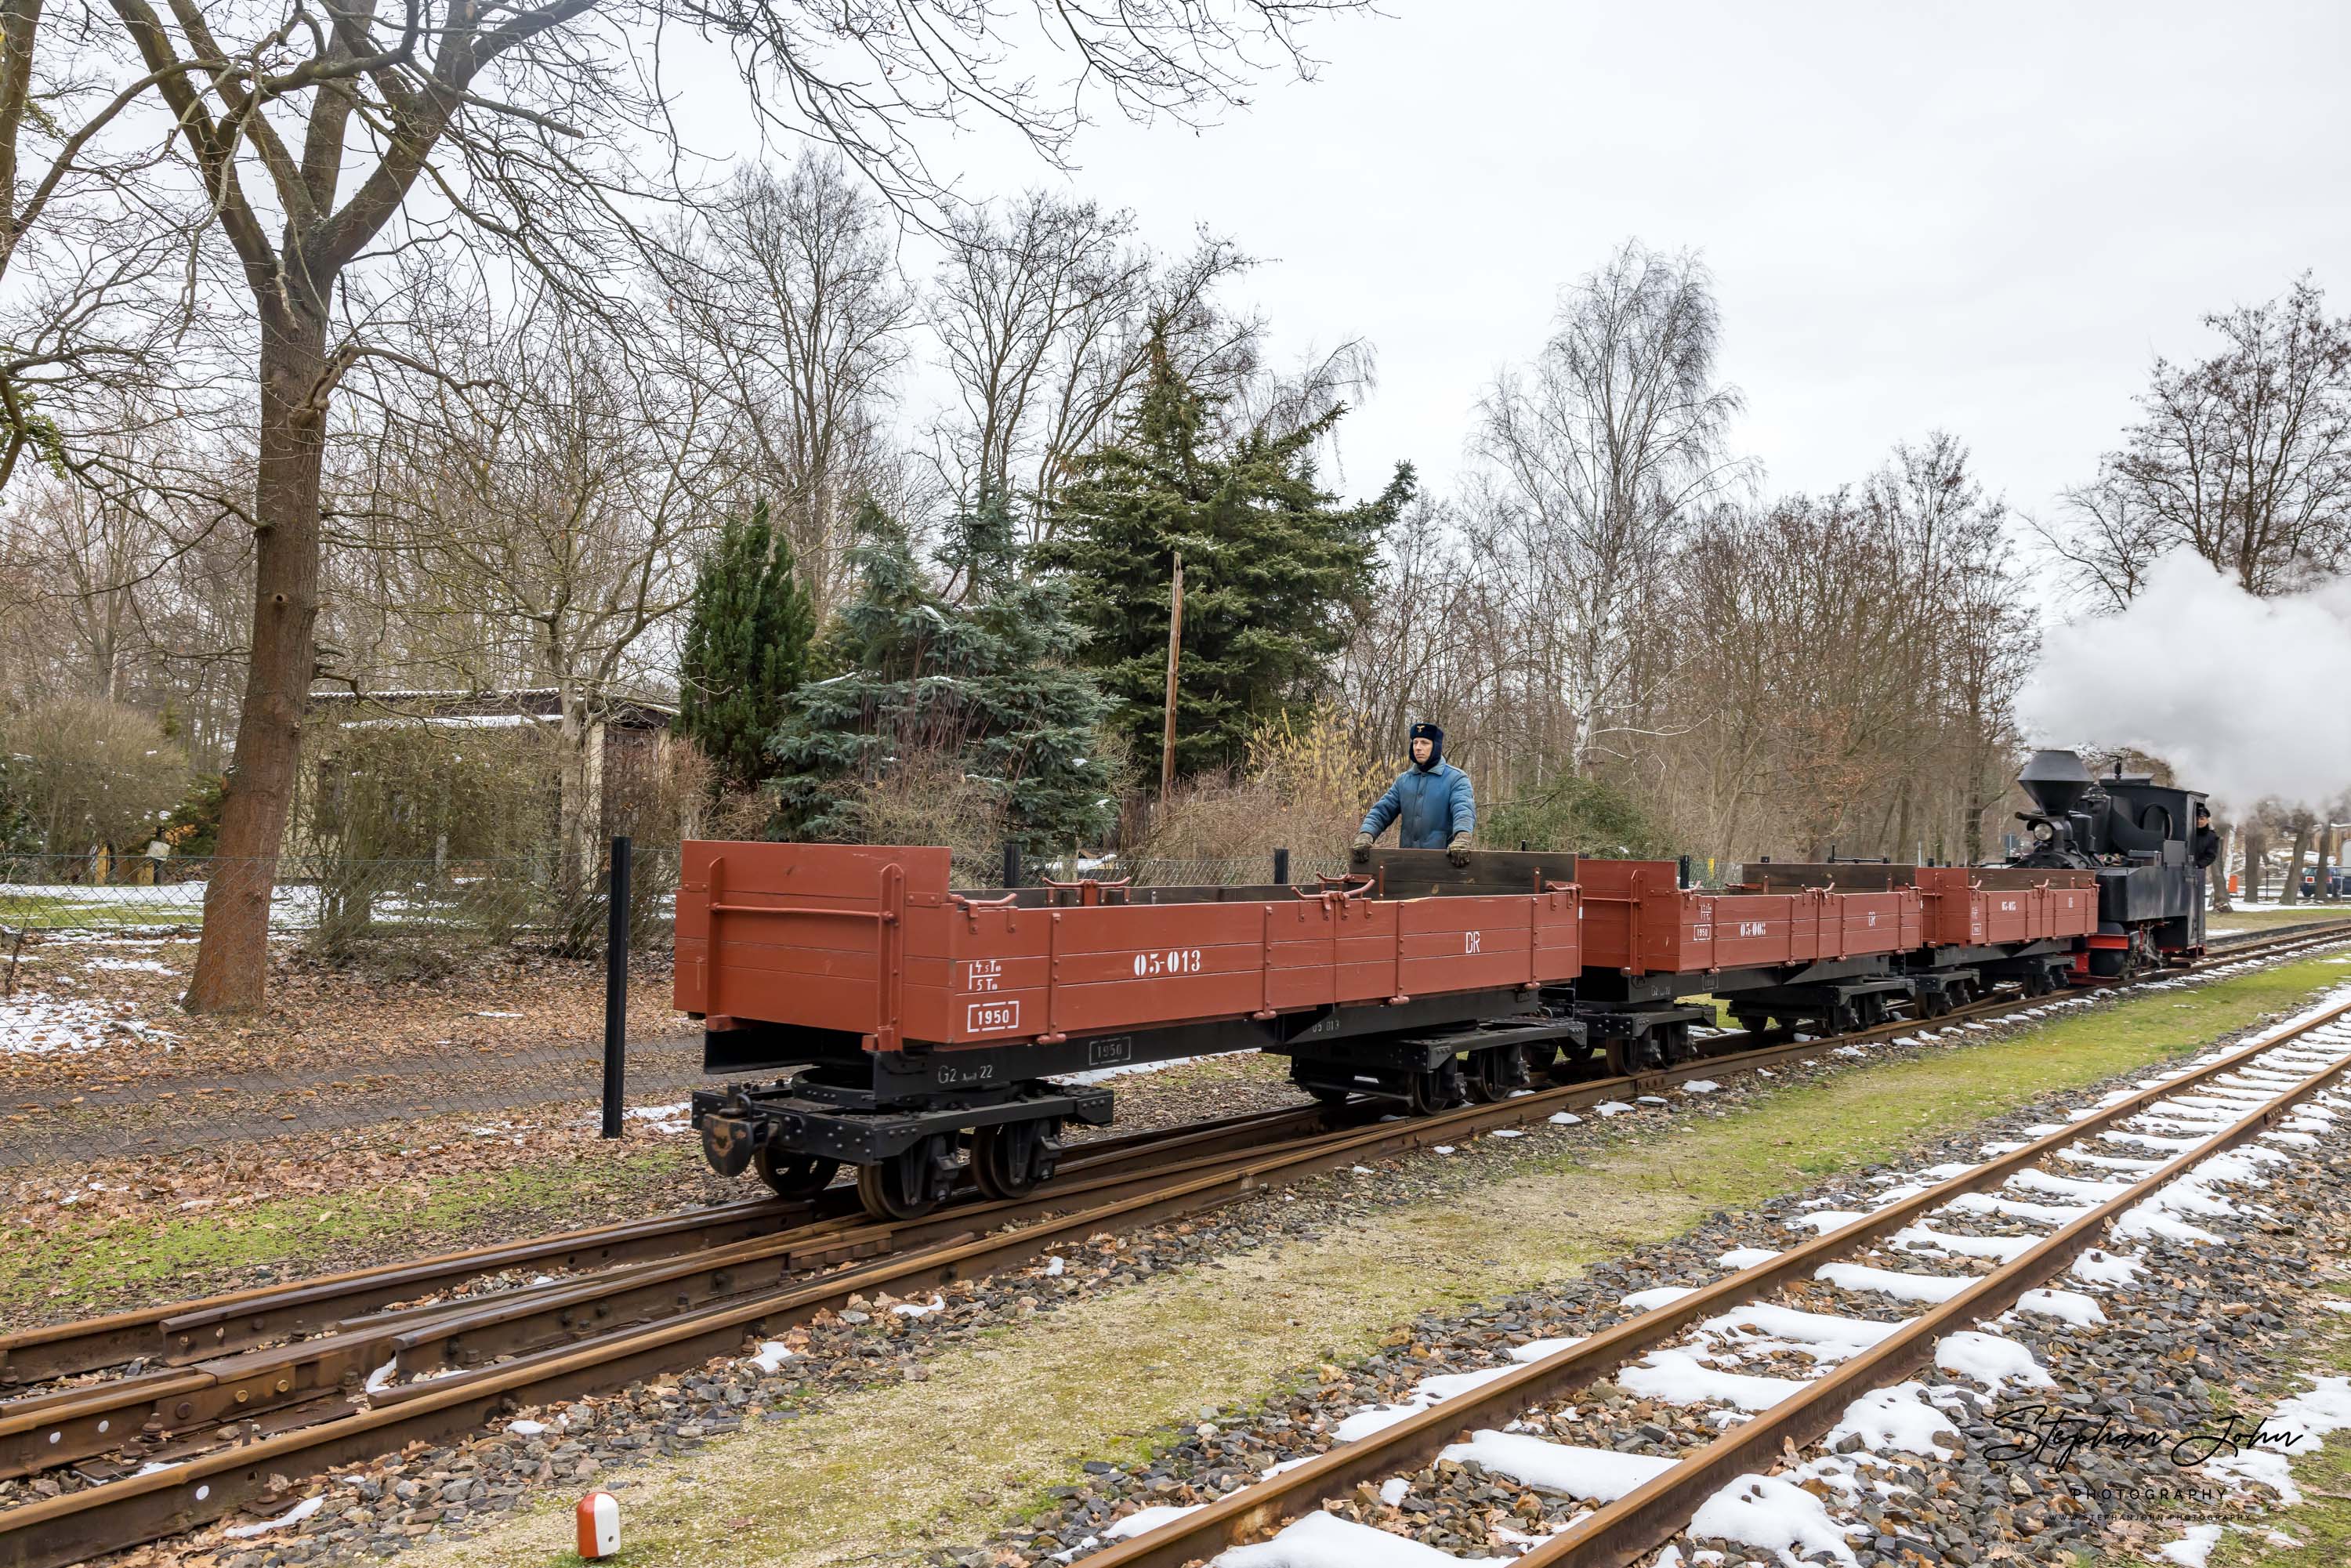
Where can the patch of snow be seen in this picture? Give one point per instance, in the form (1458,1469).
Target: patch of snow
(1657,1296)
(1991,1360)
(2071,1306)
(1537,1349)
(1680,1378)
(2192,1549)
(1745,1257)
(1325,1541)
(772,1355)
(1150,1518)
(1562,1119)
(1827,1219)
(1897,1419)
(1902,1287)
(295,1515)
(1778,1516)
(1589,1475)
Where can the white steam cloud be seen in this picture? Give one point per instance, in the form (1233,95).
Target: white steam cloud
(2245,697)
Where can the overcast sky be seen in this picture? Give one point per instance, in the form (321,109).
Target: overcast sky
(1986,218)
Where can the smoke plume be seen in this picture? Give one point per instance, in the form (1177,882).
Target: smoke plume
(2245,697)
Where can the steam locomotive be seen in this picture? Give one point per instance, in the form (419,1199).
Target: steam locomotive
(2142,842)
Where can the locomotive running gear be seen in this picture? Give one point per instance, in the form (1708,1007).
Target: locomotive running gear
(1361,850)
(1458,851)
(1435,803)
(1436,739)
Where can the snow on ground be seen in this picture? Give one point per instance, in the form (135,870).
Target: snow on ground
(34,1024)
(1778,1516)
(1897,1419)
(1326,1540)
(1589,1475)
(1680,1378)
(1427,1392)
(2191,1549)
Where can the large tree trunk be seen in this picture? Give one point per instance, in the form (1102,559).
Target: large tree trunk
(2292,893)
(233,959)
(2222,901)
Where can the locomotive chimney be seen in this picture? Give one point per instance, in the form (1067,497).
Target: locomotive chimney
(2056,781)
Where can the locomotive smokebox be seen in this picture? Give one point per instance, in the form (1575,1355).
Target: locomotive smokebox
(2056,781)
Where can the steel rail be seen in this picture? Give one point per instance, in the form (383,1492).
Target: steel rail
(573,1368)
(1255,1511)
(187,1330)
(1623,1532)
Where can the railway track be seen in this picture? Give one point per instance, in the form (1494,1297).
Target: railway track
(227,1398)
(2075,1181)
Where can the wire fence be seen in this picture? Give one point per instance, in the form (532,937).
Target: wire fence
(397,991)
(394,990)
(342,909)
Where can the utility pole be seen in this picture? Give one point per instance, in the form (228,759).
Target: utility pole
(1175,655)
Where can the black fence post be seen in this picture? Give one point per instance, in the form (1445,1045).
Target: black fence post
(1685,870)
(1281,868)
(616,987)
(1011,863)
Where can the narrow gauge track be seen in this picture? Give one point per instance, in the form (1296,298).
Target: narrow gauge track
(226,1422)
(2210,1109)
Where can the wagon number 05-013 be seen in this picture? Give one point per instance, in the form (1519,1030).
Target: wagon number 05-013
(1174,961)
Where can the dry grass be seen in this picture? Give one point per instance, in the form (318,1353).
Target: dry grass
(1305,784)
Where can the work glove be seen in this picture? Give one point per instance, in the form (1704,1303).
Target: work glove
(1361,851)
(1458,851)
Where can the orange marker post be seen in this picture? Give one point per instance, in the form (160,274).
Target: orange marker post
(600,1525)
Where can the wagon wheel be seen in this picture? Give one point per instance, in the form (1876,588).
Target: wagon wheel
(1427,1093)
(1008,1159)
(1679,1046)
(905,1186)
(794,1176)
(1485,1077)
(1753,1022)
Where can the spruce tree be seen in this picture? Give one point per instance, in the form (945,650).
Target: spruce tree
(746,647)
(1271,564)
(986,685)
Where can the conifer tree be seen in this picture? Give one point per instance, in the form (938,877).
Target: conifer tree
(1271,563)
(986,687)
(746,646)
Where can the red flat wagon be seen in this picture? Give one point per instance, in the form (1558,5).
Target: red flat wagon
(922,1019)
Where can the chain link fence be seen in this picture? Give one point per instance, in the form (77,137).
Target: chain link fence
(396,992)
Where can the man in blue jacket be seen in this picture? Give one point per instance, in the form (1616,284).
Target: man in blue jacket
(1433,799)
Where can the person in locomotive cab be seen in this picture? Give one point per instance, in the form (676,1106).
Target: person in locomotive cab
(2203,844)
(1431,801)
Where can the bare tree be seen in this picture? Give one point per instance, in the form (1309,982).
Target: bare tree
(2243,456)
(1044,309)
(792,285)
(1598,455)
(545,500)
(1034,298)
